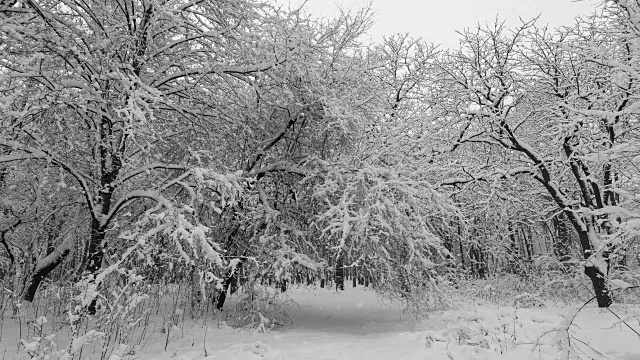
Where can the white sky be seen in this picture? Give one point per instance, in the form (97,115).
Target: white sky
(437,21)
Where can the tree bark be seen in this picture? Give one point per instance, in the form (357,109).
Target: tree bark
(561,241)
(599,282)
(354,277)
(95,253)
(597,277)
(514,257)
(46,265)
(478,265)
(230,282)
(339,274)
(527,236)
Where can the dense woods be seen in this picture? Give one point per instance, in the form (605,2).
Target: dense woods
(234,146)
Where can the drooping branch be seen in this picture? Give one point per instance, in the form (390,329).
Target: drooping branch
(46,265)
(128,198)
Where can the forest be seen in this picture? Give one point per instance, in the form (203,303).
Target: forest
(200,152)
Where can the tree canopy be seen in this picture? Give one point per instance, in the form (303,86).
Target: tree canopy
(211,137)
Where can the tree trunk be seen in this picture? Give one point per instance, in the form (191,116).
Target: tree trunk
(598,278)
(599,282)
(561,241)
(95,253)
(582,228)
(514,258)
(339,274)
(354,277)
(478,266)
(46,265)
(527,237)
(230,282)
(461,247)
(110,160)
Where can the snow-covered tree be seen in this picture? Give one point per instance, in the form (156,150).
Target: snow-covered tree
(129,98)
(560,105)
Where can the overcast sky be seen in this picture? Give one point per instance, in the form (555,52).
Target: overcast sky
(437,21)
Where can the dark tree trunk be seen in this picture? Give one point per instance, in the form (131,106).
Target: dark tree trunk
(230,283)
(598,279)
(221,299)
(527,237)
(603,296)
(46,265)
(478,266)
(95,253)
(514,256)
(8,247)
(462,263)
(561,241)
(354,277)
(110,161)
(461,247)
(339,274)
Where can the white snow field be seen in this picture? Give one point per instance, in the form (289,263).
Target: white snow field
(353,325)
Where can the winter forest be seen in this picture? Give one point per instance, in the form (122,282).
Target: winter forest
(236,179)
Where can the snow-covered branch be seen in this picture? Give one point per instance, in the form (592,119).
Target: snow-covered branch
(126,199)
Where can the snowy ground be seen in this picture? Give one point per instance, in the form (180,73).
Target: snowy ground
(354,325)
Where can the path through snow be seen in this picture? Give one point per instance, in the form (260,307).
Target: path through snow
(354,325)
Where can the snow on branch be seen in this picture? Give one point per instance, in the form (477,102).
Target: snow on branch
(380,214)
(130,196)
